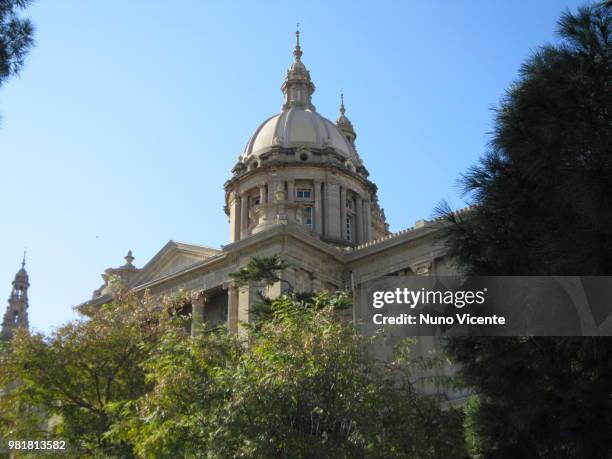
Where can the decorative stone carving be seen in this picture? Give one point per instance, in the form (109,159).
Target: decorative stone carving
(279,194)
(422,268)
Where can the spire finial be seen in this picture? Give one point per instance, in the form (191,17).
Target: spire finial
(23,262)
(129,258)
(342,109)
(298,51)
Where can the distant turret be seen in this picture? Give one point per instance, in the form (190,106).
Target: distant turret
(16,314)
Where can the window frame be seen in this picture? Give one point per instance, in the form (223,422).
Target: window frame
(303,190)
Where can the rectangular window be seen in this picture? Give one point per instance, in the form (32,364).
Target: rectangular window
(303,194)
(308,216)
(349,228)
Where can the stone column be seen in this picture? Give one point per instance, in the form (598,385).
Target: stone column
(198,303)
(325,211)
(289,275)
(244,212)
(262,194)
(359,220)
(247,296)
(318,216)
(343,213)
(368,220)
(332,211)
(291,190)
(235,219)
(232,307)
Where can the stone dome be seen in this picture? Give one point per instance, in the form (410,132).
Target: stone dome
(22,275)
(298,126)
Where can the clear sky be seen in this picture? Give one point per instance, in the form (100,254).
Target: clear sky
(129,116)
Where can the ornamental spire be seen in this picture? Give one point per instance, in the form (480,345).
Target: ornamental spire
(297,52)
(298,87)
(16,314)
(344,123)
(129,258)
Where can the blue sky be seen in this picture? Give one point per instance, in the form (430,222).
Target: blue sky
(129,116)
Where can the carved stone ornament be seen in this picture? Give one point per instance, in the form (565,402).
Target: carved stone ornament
(422,268)
(279,194)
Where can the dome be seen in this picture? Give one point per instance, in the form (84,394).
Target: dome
(21,276)
(298,126)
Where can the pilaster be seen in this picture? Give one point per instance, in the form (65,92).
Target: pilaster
(244,211)
(232,307)
(318,216)
(359,220)
(368,220)
(343,213)
(235,219)
(198,303)
(332,211)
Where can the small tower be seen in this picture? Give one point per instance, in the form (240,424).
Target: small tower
(16,314)
(344,124)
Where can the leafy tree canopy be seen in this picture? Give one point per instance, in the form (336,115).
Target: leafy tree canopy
(16,37)
(260,269)
(542,191)
(542,207)
(305,385)
(131,382)
(79,377)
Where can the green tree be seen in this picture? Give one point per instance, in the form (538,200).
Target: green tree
(261,269)
(265,270)
(303,384)
(542,207)
(81,376)
(16,38)
(542,191)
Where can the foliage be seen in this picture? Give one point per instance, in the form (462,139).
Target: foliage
(296,303)
(130,381)
(303,384)
(542,207)
(260,269)
(16,37)
(81,375)
(543,397)
(266,270)
(542,191)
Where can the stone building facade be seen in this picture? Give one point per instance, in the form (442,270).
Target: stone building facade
(300,190)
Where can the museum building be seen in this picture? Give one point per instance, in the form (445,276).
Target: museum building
(299,190)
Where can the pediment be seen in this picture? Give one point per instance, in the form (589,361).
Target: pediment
(173,258)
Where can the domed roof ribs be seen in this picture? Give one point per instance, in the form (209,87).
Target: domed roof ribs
(299,124)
